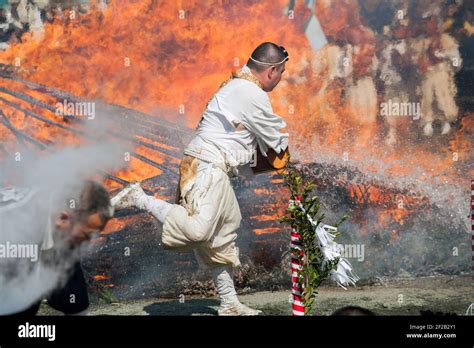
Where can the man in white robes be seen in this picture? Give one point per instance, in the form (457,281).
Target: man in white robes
(237,122)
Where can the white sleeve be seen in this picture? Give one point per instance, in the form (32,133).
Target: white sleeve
(450,51)
(265,125)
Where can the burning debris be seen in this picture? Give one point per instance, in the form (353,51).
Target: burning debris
(379,119)
(22,16)
(128,128)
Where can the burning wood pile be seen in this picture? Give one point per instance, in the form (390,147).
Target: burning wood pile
(344,189)
(20,16)
(401,182)
(123,124)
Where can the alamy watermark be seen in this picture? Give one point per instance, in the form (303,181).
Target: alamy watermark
(244,156)
(396,109)
(77,109)
(20,251)
(37,331)
(353,251)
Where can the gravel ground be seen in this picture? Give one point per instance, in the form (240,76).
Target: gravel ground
(391,296)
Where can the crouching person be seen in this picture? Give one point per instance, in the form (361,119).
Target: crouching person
(60,253)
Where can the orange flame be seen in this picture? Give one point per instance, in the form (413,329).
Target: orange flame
(168,60)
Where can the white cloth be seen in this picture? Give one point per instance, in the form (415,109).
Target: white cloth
(218,140)
(209,216)
(157,207)
(208,219)
(224,283)
(343,274)
(17,201)
(450,53)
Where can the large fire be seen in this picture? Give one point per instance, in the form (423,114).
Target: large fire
(167,60)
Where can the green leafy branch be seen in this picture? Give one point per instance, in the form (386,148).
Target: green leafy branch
(314,269)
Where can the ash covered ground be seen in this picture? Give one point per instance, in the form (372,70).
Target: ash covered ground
(416,273)
(432,295)
(434,240)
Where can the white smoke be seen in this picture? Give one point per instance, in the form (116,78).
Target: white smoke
(23,282)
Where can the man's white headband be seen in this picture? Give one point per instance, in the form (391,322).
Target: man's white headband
(270,64)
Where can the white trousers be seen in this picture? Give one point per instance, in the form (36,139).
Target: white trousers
(439,85)
(207,218)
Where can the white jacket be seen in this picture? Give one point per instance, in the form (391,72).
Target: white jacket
(238,102)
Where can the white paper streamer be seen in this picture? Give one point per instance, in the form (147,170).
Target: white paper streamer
(343,275)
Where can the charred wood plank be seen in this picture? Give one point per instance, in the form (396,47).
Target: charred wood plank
(84,134)
(20,136)
(4,120)
(40,104)
(65,95)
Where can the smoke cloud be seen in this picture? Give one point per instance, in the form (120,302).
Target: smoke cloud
(37,188)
